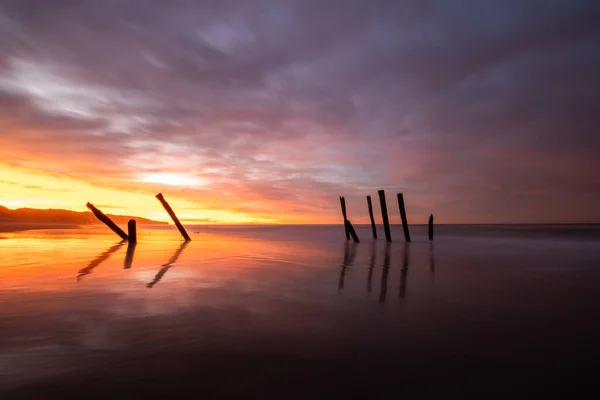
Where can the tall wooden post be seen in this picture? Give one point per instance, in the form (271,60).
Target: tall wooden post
(350,229)
(373,227)
(107,221)
(431,227)
(403,215)
(132,231)
(384,215)
(173,217)
(343,204)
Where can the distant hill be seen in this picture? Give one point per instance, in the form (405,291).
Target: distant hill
(63,217)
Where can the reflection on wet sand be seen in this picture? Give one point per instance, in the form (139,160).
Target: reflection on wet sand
(404,270)
(129,255)
(98,260)
(169,264)
(349,254)
(371,267)
(431,260)
(384,275)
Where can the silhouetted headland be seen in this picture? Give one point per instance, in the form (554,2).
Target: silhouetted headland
(63,218)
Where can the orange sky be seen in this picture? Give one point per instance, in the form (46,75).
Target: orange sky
(267,113)
(25,187)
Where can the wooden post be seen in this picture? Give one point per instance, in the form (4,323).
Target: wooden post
(173,217)
(403,215)
(431,227)
(343,204)
(384,215)
(373,227)
(132,232)
(350,228)
(100,215)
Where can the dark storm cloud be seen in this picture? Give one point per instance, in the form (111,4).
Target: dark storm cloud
(479,110)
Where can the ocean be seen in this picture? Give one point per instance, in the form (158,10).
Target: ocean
(298,312)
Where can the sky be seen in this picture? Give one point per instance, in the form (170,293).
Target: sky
(260,111)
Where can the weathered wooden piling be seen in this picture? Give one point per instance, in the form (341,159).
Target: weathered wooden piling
(132,231)
(103,218)
(343,204)
(171,213)
(431,227)
(350,228)
(384,215)
(373,227)
(403,216)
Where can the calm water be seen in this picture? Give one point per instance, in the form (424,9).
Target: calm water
(298,312)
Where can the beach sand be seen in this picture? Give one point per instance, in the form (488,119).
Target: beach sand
(298,312)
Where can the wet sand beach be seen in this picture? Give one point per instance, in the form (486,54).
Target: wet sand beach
(298,312)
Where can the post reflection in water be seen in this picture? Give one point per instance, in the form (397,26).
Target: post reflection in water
(98,260)
(349,254)
(169,264)
(384,275)
(404,270)
(129,255)
(431,260)
(371,267)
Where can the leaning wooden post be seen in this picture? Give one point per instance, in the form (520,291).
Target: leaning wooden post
(100,215)
(350,229)
(173,217)
(431,227)
(373,227)
(343,204)
(403,215)
(384,215)
(132,231)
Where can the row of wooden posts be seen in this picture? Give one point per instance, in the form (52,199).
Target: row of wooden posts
(350,232)
(131,236)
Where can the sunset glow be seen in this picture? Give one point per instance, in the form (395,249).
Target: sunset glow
(267,113)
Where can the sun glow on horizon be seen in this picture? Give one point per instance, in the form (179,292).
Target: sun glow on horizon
(22,187)
(174,179)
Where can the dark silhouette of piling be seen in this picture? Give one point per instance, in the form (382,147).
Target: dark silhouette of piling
(431,227)
(403,215)
(103,218)
(173,217)
(132,231)
(343,204)
(384,215)
(373,227)
(350,228)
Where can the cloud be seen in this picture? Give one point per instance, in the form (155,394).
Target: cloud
(477,111)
